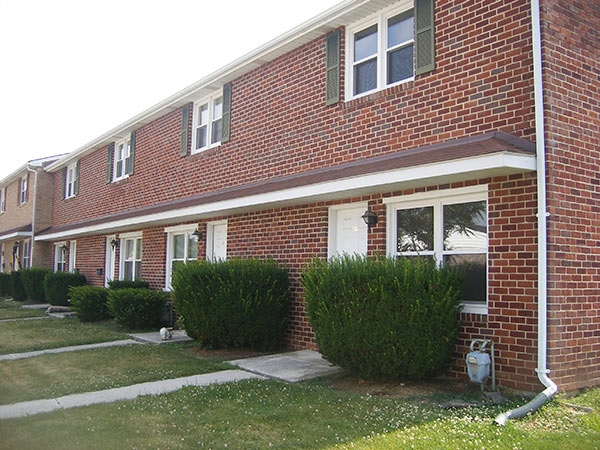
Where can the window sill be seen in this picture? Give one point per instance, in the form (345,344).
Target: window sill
(474,308)
(372,96)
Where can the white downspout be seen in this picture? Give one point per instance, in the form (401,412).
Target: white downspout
(542,369)
(33,208)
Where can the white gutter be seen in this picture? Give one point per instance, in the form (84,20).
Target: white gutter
(33,208)
(542,369)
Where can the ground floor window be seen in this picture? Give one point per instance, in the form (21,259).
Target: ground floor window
(182,247)
(26,254)
(131,257)
(448,226)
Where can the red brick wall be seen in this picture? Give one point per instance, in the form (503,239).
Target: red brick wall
(572,87)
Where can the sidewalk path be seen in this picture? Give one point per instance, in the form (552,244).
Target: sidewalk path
(123,393)
(73,348)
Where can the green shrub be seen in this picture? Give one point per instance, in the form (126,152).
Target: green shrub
(5,284)
(235,303)
(137,308)
(384,317)
(17,289)
(33,283)
(90,303)
(57,284)
(124,284)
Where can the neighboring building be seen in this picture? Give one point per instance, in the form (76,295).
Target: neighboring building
(431,117)
(25,209)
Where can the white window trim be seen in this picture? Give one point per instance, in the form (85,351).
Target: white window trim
(26,253)
(380,19)
(210,101)
(2,200)
(23,190)
(70,181)
(127,154)
(60,251)
(171,232)
(122,238)
(437,198)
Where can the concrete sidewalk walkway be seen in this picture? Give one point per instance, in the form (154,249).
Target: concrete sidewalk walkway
(123,393)
(73,348)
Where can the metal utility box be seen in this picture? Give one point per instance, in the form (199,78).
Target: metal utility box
(478,366)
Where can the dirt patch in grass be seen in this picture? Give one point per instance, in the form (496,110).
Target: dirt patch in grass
(226,354)
(405,388)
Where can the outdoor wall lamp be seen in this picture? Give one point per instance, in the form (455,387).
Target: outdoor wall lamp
(197,233)
(114,243)
(370,218)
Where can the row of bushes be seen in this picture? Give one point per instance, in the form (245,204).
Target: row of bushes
(131,304)
(40,285)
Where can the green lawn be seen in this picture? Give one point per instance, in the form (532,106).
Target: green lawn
(51,376)
(15,310)
(313,415)
(29,335)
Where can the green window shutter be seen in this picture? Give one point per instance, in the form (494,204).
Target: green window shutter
(109,163)
(226,134)
(64,182)
(424,36)
(185,130)
(332,68)
(76,181)
(129,162)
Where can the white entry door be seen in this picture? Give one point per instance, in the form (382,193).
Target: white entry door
(110,260)
(217,241)
(347,231)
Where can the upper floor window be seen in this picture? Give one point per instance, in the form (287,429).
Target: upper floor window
(208,123)
(450,228)
(121,157)
(23,190)
(2,200)
(71,176)
(381,52)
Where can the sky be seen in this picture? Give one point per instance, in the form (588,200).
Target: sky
(71,70)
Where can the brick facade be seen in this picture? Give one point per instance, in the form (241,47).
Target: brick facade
(283,132)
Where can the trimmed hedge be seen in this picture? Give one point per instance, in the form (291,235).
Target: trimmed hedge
(57,284)
(17,289)
(125,284)
(4,284)
(33,283)
(384,317)
(235,303)
(90,303)
(137,308)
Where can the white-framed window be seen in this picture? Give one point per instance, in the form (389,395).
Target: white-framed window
(26,254)
(71,181)
(380,51)
(60,257)
(448,226)
(182,247)
(23,190)
(2,200)
(121,158)
(208,123)
(131,257)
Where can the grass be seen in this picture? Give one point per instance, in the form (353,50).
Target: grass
(30,335)
(51,376)
(14,310)
(269,414)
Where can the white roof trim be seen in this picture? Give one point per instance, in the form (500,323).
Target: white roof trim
(430,174)
(16,235)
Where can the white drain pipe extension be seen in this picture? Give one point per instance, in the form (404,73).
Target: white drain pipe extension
(542,369)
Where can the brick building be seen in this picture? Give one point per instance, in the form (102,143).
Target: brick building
(420,113)
(25,210)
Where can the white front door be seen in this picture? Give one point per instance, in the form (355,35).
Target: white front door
(110,260)
(216,248)
(347,231)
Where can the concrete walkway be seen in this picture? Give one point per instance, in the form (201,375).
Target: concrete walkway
(291,367)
